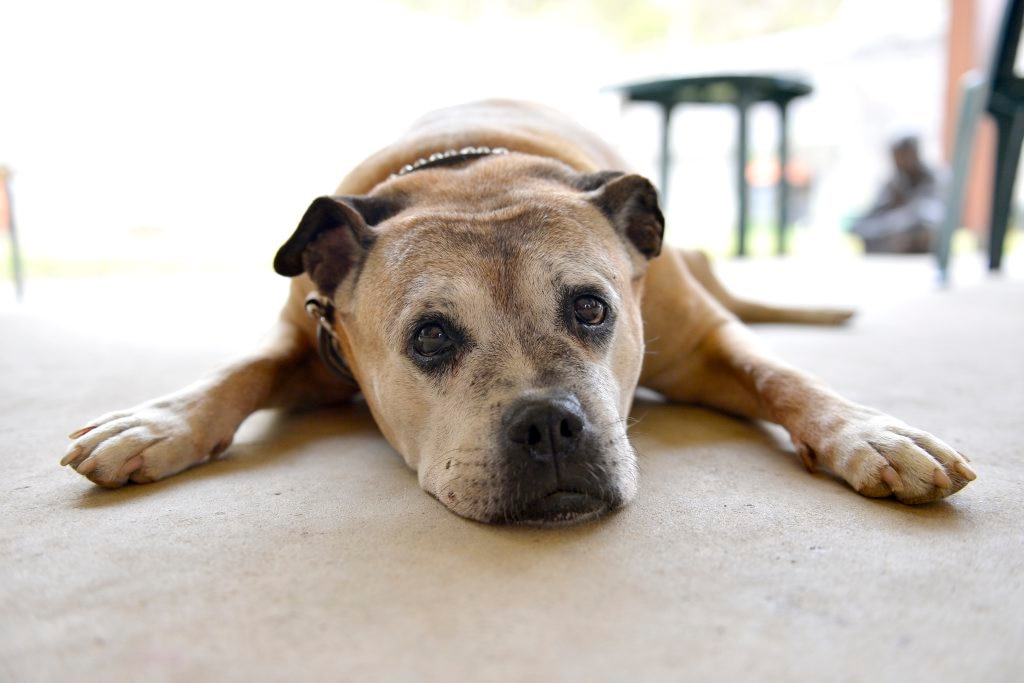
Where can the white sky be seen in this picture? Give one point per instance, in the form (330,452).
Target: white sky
(229,116)
(208,121)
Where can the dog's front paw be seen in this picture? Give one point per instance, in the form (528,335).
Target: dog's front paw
(146,443)
(880,456)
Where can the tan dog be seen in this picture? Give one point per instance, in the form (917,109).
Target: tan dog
(497,310)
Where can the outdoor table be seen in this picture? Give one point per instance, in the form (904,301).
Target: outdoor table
(741,91)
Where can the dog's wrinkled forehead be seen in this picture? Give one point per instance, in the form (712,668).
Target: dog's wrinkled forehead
(506,214)
(509,257)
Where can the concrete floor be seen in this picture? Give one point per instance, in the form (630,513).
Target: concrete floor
(309,552)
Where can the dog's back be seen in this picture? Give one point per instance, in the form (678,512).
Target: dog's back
(520,126)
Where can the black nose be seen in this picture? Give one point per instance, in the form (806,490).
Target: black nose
(546,428)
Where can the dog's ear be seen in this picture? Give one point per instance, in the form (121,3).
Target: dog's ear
(631,204)
(333,237)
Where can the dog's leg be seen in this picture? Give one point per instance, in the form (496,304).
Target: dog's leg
(722,365)
(164,436)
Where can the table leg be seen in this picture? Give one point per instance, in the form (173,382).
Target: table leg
(666,159)
(783,187)
(741,180)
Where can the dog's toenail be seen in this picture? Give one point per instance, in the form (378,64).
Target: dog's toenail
(81,432)
(965,471)
(130,466)
(892,478)
(87,466)
(71,455)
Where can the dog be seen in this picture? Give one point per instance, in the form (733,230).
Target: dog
(496,288)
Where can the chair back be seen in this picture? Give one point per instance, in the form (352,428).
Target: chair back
(1006,86)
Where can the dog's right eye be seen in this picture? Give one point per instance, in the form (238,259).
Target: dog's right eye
(431,341)
(589,310)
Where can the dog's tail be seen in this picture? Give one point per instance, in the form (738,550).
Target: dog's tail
(753,312)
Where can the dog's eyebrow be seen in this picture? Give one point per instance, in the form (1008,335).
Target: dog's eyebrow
(420,298)
(582,278)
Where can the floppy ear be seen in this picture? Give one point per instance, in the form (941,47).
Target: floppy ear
(631,204)
(332,238)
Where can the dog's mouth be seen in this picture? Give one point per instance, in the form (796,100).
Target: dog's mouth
(561,508)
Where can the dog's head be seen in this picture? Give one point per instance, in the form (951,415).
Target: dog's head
(491,314)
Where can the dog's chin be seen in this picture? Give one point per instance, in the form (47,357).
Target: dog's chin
(561,508)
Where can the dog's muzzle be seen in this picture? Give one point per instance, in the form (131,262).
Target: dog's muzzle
(552,461)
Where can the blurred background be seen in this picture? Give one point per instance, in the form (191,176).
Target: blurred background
(192,135)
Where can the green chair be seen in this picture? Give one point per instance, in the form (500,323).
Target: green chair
(1001,93)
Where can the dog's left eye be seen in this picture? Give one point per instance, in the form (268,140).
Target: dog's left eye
(589,310)
(431,341)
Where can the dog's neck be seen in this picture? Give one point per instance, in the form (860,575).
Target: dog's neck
(449,157)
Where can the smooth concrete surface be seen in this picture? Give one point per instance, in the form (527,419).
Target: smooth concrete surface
(308,553)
